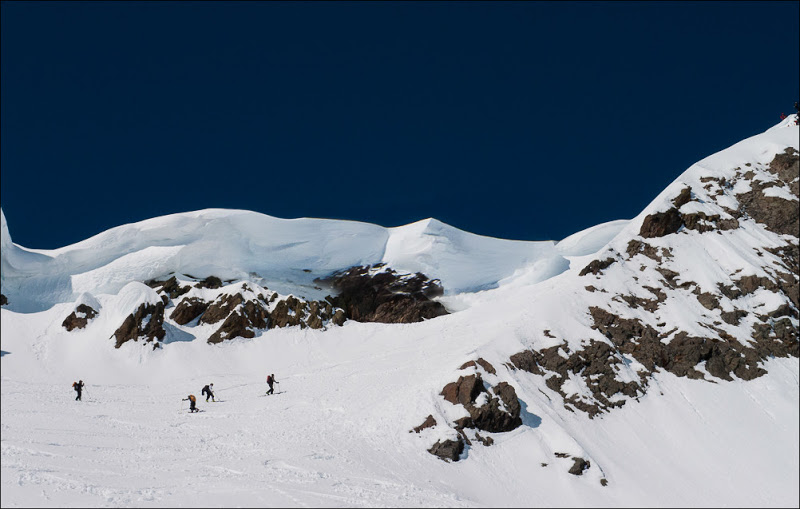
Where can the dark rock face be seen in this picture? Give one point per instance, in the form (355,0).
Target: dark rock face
(289,312)
(240,323)
(146,323)
(79,318)
(221,308)
(385,296)
(211,282)
(776,214)
(490,416)
(169,287)
(189,309)
(3,300)
(241,316)
(293,311)
(464,391)
(597,266)
(637,246)
(597,363)
(661,224)
(449,450)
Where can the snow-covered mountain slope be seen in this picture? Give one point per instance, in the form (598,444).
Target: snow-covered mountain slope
(606,369)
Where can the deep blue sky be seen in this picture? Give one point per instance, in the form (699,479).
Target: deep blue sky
(521,120)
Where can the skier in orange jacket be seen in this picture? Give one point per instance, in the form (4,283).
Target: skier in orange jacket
(192,403)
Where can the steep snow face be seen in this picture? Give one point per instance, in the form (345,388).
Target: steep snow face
(703,284)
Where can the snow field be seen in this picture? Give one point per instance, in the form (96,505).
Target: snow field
(338,434)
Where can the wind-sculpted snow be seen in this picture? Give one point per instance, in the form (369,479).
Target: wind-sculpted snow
(285,255)
(590,240)
(463,261)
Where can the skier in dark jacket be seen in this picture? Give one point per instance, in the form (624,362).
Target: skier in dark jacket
(192,403)
(78,386)
(207,390)
(271,380)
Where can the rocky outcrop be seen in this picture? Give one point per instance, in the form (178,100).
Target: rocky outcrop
(242,322)
(3,300)
(243,313)
(598,363)
(79,318)
(777,214)
(579,466)
(493,409)
(597,266)
(170,287)
(188,310)
(147,323)
(379,294)
(211,282)
(221,307)
(660,224)
(630,322)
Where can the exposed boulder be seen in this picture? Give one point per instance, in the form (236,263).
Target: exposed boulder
(494,409)
(429,422)
(579,466)
(498,413)
(146,323)
(660,224)
(379,294)
(79,318)
(3,300)
(448,450)
(464,391)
